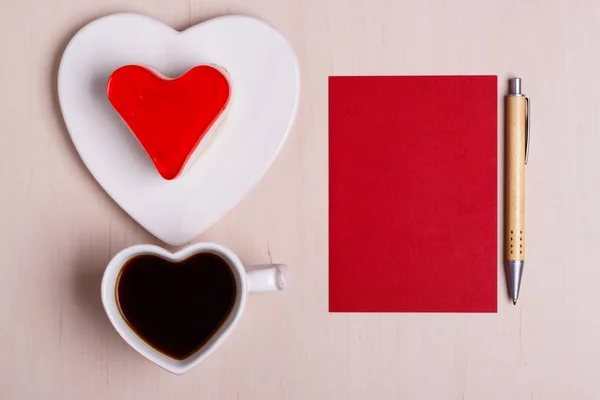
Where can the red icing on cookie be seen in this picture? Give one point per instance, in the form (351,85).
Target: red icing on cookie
(169,117)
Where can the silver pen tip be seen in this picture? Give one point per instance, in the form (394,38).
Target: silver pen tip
(515,302)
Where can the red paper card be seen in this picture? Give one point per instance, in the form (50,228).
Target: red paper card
(413,194)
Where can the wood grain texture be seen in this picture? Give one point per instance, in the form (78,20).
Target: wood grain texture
(58,228)
(514,232)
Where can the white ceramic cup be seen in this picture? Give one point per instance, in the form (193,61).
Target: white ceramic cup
(263,278)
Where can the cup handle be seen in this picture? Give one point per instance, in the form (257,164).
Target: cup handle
(268,277)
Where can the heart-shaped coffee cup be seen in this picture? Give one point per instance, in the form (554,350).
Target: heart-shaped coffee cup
(264,278)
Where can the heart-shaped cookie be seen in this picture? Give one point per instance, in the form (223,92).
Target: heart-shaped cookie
(173,119)
(264,76)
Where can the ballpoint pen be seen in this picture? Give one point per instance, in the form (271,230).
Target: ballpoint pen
(517,153)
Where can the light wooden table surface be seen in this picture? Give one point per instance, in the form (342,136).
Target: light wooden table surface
(58,229)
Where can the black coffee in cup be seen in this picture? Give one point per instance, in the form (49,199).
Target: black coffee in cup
(176,307)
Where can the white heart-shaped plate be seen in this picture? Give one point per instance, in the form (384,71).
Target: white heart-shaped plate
(265,79)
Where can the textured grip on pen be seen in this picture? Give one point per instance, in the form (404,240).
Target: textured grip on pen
(515,178)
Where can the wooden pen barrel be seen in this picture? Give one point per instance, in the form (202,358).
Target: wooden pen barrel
(516,108)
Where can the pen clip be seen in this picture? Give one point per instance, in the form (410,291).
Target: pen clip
(527,128)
